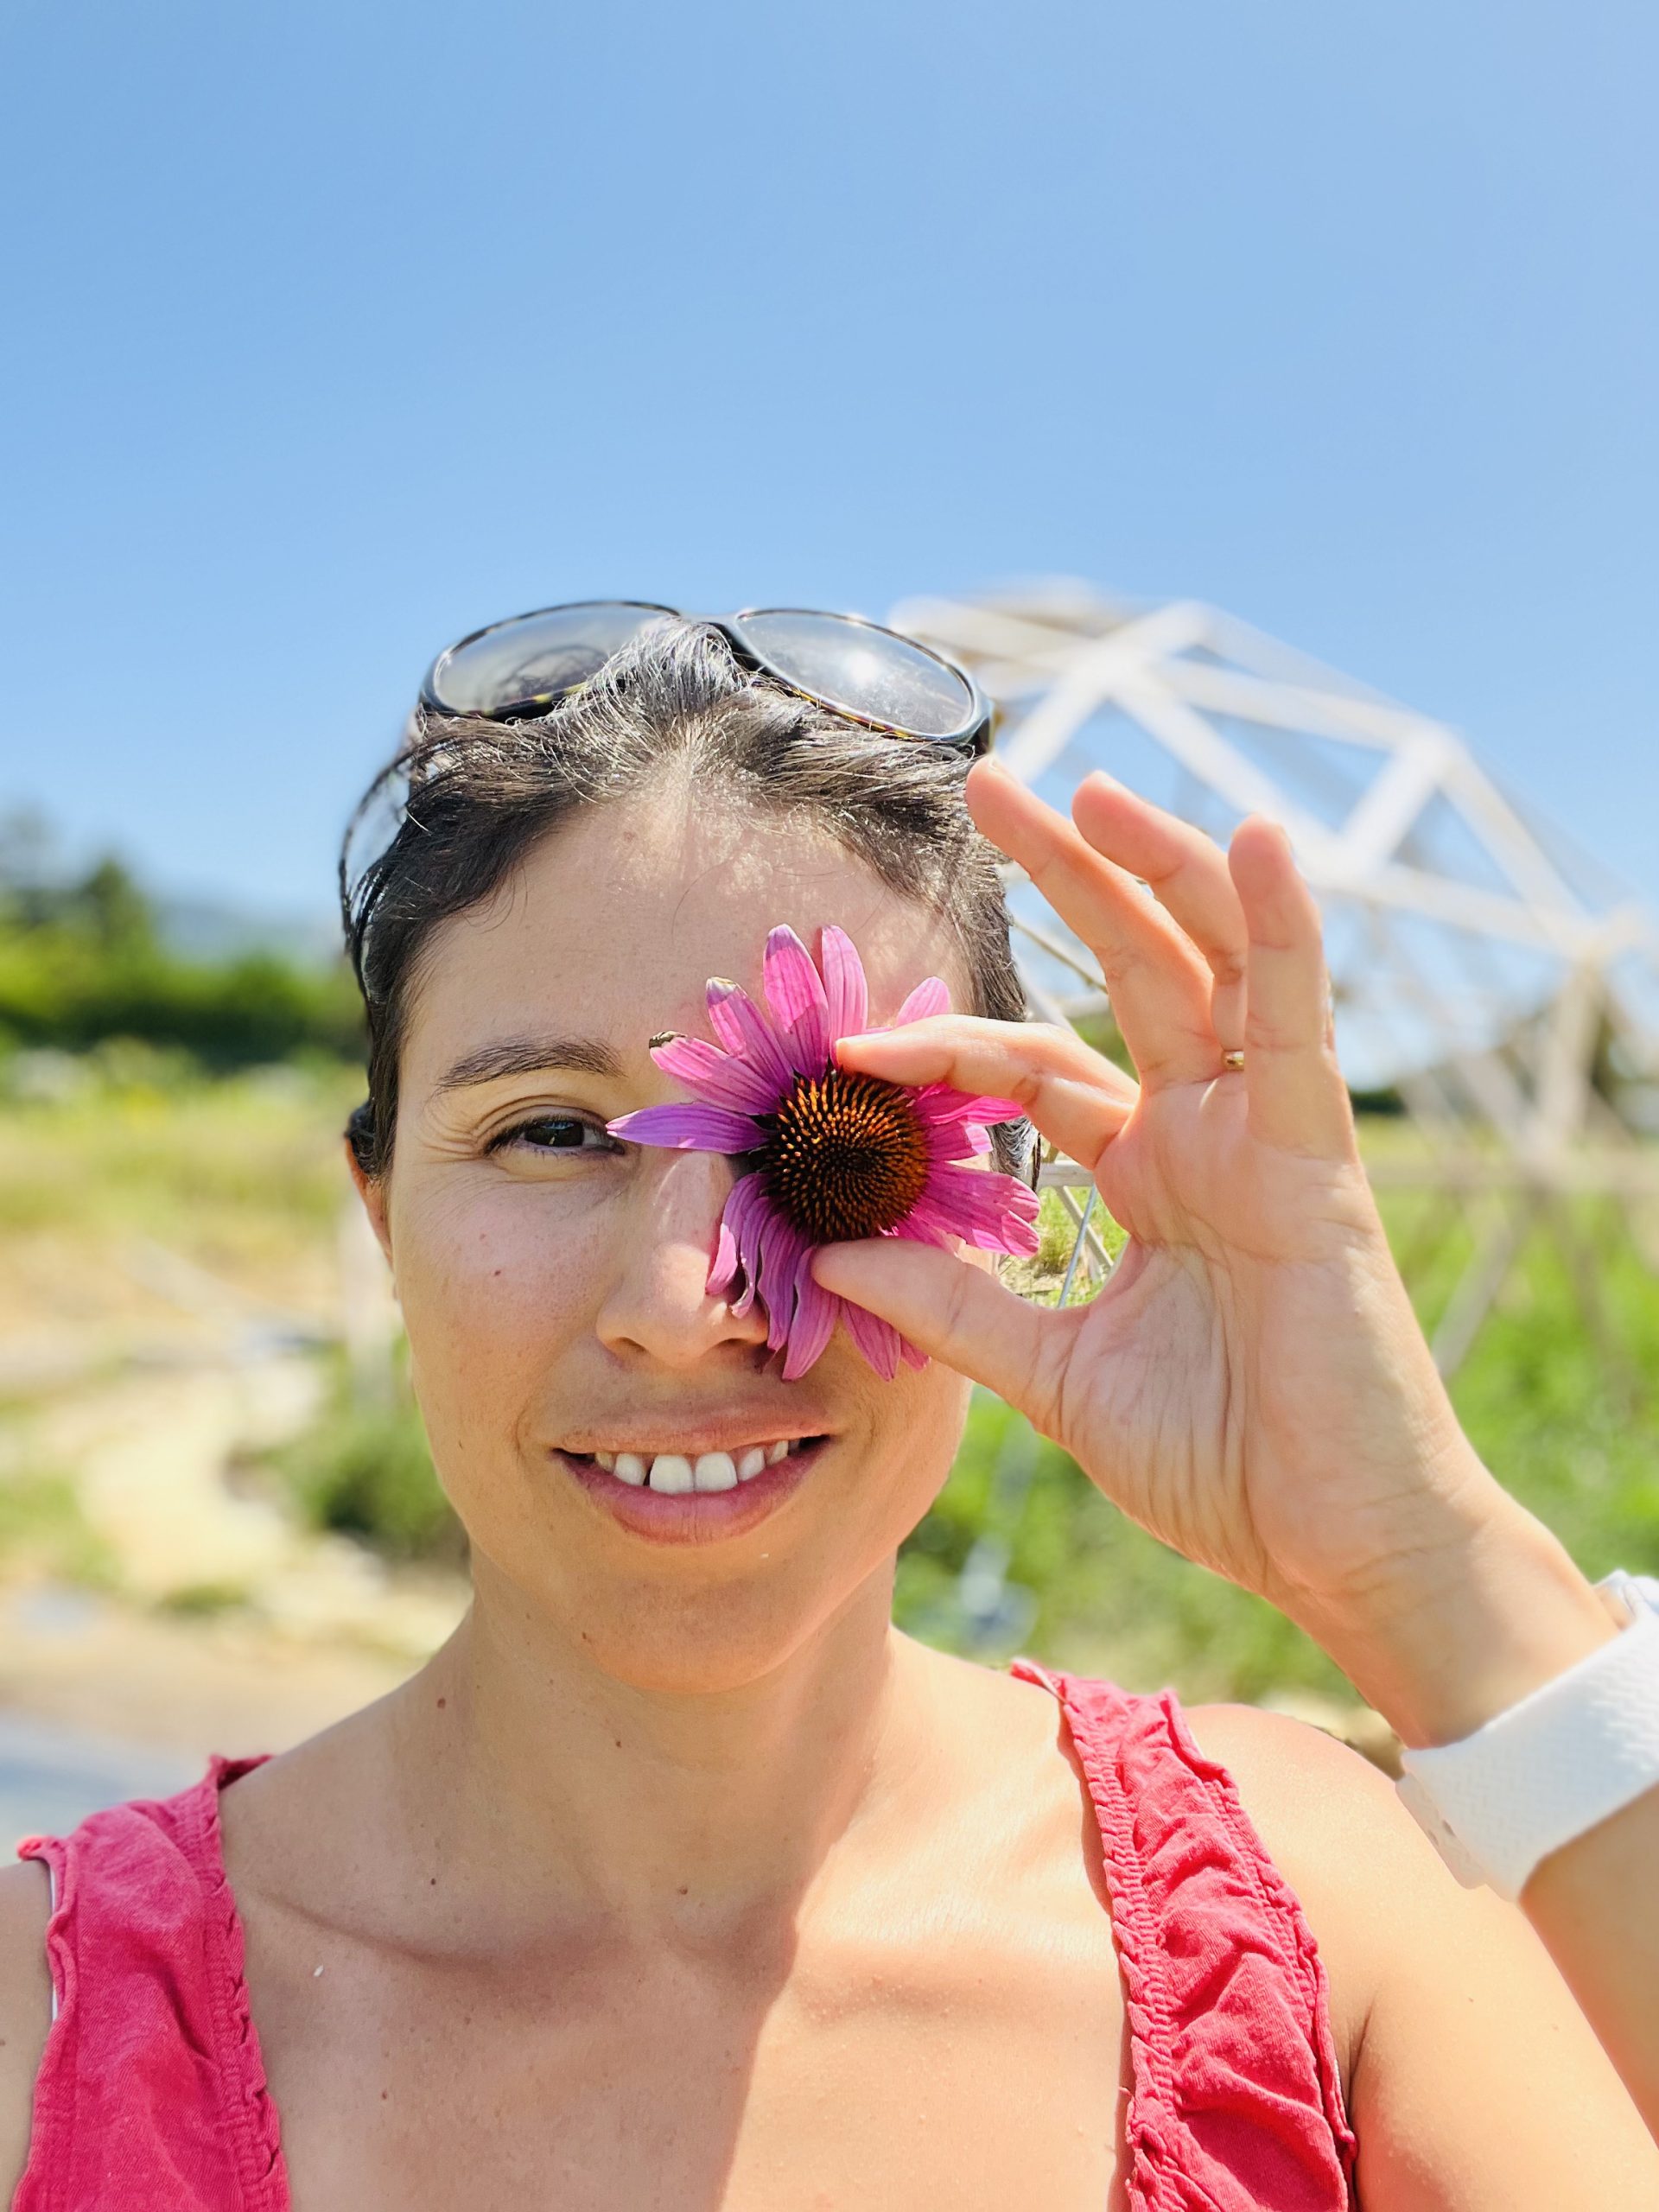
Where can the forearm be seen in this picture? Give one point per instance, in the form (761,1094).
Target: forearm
(1596,1904)
(1475,1634)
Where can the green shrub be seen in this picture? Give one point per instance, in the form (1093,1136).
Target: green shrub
(364,1471)
(84,960)
(61,989)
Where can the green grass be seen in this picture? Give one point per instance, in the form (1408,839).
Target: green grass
(146,1143)
(364,1471)
(42,1531)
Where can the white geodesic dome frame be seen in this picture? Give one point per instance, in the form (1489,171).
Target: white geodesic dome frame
(1503,986)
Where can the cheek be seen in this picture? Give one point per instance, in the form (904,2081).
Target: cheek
(494,1284)
(915,1430)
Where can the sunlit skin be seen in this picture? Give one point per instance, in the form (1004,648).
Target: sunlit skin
(565,1292)
(678,1878)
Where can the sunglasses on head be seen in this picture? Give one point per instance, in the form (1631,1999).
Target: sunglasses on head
(511,670)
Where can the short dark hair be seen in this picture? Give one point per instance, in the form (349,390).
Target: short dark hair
(474,797)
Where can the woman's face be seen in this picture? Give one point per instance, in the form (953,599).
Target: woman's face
(552,1280)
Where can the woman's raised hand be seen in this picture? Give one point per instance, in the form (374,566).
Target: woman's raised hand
(1251,1384)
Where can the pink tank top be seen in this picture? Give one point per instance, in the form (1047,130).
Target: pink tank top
(151,2094)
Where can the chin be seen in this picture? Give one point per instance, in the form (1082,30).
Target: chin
(691,1634)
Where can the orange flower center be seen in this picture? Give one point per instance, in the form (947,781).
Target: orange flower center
(845,1156)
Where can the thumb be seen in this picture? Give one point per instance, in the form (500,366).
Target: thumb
(953,1310)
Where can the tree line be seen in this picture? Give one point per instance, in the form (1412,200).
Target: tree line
(83,957)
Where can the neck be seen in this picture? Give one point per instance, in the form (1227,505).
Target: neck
(526,1765)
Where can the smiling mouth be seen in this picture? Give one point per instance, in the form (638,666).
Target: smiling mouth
(679,1473)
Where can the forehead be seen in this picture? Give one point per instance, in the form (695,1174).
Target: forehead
(612,925)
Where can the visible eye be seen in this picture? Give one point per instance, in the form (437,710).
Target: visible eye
(555,1133)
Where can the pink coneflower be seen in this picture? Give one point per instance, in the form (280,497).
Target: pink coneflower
(836,1154)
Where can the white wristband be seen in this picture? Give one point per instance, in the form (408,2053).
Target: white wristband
(1565,1757)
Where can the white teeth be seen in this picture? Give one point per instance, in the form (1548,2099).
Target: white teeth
(675,1473)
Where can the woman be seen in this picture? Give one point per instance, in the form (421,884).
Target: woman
(678,1878)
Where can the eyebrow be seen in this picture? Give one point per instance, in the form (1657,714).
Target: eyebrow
(529,1056)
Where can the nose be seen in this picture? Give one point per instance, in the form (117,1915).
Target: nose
(657,1306)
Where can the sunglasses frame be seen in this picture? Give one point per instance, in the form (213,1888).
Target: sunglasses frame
(972,735)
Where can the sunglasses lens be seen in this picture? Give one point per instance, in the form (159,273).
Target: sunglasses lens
(372,828)
(866,670)
(520,667)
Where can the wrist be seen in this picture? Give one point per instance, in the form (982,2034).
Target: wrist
(1559,1762)
(1470,1628)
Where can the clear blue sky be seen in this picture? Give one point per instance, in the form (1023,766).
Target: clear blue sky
(335,330)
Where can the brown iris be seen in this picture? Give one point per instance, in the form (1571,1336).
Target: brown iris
(845,1155)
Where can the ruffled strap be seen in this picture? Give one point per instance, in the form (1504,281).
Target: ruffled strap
(247,2092)
(152,2069)
(1236,2097)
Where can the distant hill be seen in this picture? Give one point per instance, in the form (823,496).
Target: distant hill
(211,929)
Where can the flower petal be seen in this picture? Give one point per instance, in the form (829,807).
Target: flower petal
(794,994)
(745,1032)
(993,1212)
(720,1078)
(747,1230)
(813,1322)
(877,1339)
(843,982)
(924,1224)
(957,1139)
(777,1265)
(735,1250)
(929,998)
(940,1101)
(688,1128)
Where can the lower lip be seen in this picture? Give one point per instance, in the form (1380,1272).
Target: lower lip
(694,1516)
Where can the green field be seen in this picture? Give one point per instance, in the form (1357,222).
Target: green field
(240,1179)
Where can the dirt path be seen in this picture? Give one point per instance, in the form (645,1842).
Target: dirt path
(88,1661)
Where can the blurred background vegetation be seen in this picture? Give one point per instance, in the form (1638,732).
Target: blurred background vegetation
(85,957)
(171,1117)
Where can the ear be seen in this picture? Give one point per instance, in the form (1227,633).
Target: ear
(372,1190)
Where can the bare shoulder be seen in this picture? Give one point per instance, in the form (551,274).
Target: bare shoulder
(1014,1782)
(1333,1822)
(1465,2056)
(1005,1730)
(25,2008)
(1334,1828)
(1277,1758)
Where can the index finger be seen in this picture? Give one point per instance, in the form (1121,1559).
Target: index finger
(1073,1095)
(1158,983)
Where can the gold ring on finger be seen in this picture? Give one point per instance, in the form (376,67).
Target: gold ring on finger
(1232,1061)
